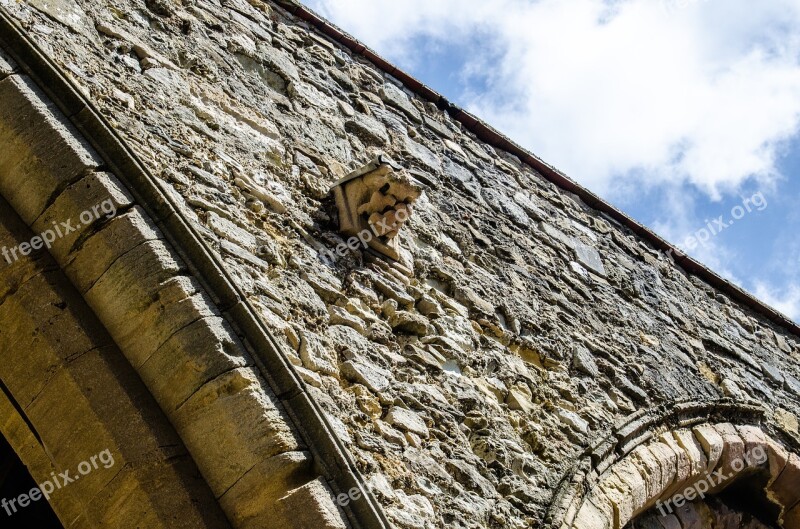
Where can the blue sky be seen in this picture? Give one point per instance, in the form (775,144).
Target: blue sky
(676,111)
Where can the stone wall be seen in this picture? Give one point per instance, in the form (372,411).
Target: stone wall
(111,343)
(531,325)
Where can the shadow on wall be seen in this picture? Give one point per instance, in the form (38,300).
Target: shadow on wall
(16,482)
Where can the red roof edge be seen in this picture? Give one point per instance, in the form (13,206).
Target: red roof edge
(497,140)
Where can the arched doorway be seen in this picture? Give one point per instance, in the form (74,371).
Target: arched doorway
(716,476)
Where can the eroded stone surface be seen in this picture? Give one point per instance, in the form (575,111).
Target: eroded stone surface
(231,106)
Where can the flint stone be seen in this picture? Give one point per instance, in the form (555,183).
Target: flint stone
(395,97)
(368,129)
(583,361)
(589,258)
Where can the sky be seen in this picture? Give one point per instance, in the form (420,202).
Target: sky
(683,113)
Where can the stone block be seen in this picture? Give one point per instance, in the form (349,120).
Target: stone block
(146,496)
(694,450)
(38,316)
(683,464)
(195,354)
(124,233)
(41,153)
(369,375)
(316,356)
(621,496)
(628,472)
(246,424)
(553,235)
(785,490)
(263,485)
(397,98)
(755,440)
(778,458)
(311,505)
(650,470)
(79,210)
(589,258)
(592,517)
(178,302)
(668,460)
(597,512)
(732,459)
(368,129)
(712,443)
(407,420)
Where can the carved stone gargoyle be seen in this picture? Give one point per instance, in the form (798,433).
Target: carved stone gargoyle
(374,202)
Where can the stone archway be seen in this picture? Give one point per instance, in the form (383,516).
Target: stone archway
(666,482)
(140,343)
(68,394)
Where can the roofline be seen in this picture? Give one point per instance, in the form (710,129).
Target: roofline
(491,136)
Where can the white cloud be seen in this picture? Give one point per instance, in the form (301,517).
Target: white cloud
(786,300)
(705,94)
(692,236)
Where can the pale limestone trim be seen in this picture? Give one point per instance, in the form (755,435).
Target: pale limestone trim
(140,290)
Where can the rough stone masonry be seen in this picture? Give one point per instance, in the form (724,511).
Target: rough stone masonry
(523,330)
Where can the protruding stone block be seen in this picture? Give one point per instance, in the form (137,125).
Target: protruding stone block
(265,484)
(95,199)
(247,427)
(732,460)
(374,202)
(650,470)
(669,464)
(694,450)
